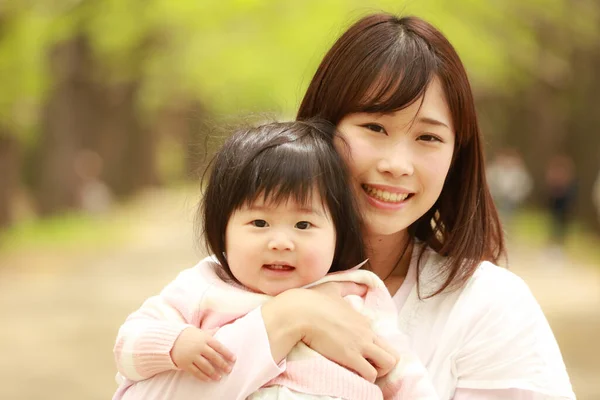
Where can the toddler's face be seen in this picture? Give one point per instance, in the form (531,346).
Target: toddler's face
(271,248)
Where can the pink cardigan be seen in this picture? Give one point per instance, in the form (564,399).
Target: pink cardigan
(198,297)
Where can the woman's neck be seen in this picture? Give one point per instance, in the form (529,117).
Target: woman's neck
(389,255)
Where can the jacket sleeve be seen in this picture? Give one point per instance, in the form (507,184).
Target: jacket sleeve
(144,341)
(254,367)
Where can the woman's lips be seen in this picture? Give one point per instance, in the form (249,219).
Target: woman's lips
(386,196)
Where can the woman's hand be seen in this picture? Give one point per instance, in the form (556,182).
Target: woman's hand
(322,319)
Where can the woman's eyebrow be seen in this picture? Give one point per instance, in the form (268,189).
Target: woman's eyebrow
(432,121)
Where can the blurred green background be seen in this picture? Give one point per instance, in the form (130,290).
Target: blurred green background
(109,110)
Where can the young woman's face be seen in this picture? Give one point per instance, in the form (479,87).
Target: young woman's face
(272,248)
(399,161)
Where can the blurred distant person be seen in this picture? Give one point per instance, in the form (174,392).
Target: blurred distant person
(95,197)
(596,195)
(510,182)
(561,192)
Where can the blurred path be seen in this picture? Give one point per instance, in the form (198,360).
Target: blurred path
(60,311)
(60,320)
(569,294)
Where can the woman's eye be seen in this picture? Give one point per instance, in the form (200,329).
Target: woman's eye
(429,138)
(375,128)
(260,223)
(303,225)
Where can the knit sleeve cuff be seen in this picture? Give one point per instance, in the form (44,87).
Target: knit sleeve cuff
(152,353)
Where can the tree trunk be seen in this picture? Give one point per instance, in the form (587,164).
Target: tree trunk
(65,121)
(128,148)
(9,177)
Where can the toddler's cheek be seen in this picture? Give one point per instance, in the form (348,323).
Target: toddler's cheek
(318,263)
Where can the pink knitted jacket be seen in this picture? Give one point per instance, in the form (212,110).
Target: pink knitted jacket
(198,297)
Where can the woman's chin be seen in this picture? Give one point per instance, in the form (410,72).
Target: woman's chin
(375,226)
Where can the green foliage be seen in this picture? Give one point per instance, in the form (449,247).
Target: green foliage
(22,75)
(63,232)
(255,55)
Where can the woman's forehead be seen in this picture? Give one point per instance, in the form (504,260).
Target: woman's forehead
(430,107)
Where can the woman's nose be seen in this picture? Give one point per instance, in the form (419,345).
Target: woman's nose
(281,241)
(396,160)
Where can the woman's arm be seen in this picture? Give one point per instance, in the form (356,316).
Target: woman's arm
(331,326)
(262,339)
(318,316)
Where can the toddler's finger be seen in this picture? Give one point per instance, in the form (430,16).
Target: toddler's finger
(198,374)
(222,350)
(217,360)
(206,367)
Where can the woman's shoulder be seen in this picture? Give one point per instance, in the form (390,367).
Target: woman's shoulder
(492,279)
(494,331)
(489,280)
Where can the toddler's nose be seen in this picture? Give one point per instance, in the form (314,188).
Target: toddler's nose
(281,241)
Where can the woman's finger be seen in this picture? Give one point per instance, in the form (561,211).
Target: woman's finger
(382,360)
(385,345)
(363,368)
(351,288)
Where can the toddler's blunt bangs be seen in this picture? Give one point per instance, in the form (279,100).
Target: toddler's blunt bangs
(283,172)
(289,165)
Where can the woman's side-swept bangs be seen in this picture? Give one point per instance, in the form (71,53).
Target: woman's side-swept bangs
(406,67)
(377,66)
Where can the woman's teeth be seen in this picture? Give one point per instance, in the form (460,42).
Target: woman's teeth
(385,196)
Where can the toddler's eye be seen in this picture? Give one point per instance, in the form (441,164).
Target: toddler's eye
(303,225)
(260,223)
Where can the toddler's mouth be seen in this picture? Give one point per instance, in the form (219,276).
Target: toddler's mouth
(279,267)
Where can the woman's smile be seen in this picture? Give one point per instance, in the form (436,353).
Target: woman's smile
(387,194)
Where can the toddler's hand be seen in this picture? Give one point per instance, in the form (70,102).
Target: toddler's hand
(197,352)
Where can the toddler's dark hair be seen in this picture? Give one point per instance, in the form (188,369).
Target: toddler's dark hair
(282,161)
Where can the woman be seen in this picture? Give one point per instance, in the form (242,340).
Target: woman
(400,98)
